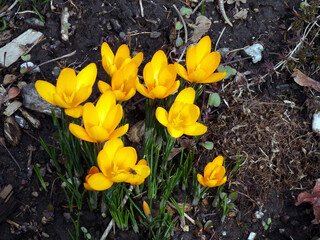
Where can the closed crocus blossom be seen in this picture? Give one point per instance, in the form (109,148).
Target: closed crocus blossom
(117,164)
(123,82)
(159,77)
(100,121)
(111,63)
(183,115)
(201,64)
(214,173)
(71,89)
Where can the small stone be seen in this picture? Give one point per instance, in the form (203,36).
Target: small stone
(224,233)
(12,108)
(56,71)
(35,194)
(46,235)
(155,34)
(116,25)
(67,215)
(316,122)
(8,79)
(21,122)
(252,236)
(255,51)
(258,214)
(21,84)
(34,22)
(122,35)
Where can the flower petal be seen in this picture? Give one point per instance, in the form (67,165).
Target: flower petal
(167,76)
(59,101)
(90,116)
(181,71)
(186,96)
(175,132)
(87,76)
(191,58)
(122,54)
(119,131)
(103,87)
(201,180)
(195,129)
(148,76)
(159,61)
(113,118)
(125,158)
(162,116)
(203,48)
(107,56)
(138,174)
(67,82)
(198,76)
(212,182)
(189,114)
(99,182)
(143,90)
(46,91)
(210,63)
(75,112)
(98,133)
(173,89)
(82,95)
(138,58)
(80,132)
(158,92)
(215,77)
(105,103)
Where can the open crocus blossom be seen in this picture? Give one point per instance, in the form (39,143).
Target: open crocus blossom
(100,121)
(117,164)
(214,173)
(71,89)
(123,83)
(183,115)
(201,64)
(159,77)
(111,63)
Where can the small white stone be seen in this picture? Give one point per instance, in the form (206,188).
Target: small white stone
(316,122)
(258,214)
(255,51)
(224,233)
(252,235)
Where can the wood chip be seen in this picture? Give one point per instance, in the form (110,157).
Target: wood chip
(203,25)
(304,80)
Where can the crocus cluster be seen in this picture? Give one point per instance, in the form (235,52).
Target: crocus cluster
(117,163)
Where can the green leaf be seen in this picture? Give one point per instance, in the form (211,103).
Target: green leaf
(185,12)
(179,26)
(207,145)
(23,70)
(233,196)
(26,57)
(179,42)
(229,70)
(214,100)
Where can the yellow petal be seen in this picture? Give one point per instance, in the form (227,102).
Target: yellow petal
(119,131)
(106,102)
(222,181)
(66,82)
(125,158)
(200,180)
(82,95)
(46,91)
(122,54)
(159,61)
(90,116)
(142,162)
(195,129)
(103,87)
(148,76)
(167,76)
(98,133)
(80,132)
(138,174)
(138,58)
(210,63)
(107,56)
(186,96)
(181,71)
(59,101)
(162,116)
(198,76)
(212,183)
(87,76)
(106,156)
(143,90)
(158,92)
(218,161)
(113,118)
(215,77)
(121,177)
(99,182)
(191,59)
(75,112)
(203,48)
(189,114)
(173,89)
(175,132)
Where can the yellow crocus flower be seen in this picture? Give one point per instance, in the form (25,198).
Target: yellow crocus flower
(117,164)
(123,83)
(201,64)
(111,63)
(214,173)
(159,77)
(183,115)
(71,89)
(100,121)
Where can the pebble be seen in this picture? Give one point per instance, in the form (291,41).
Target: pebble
(8,79)
(32,100)
(258,214)
(35,194)
(67,215)
(56,71)
(155,34)
(116,25)
(255,51)
(34,22)
(252,236)
(12,108)
(21,122)
(316,122)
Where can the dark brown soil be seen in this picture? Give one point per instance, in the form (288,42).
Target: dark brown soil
(253,120)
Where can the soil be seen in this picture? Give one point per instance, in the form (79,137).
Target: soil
(264,116)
